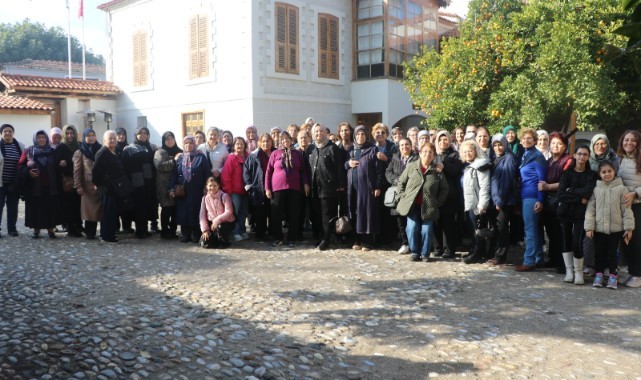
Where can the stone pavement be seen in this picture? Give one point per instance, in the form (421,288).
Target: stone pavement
(73,308)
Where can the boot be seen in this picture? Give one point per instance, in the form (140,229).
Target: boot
(578,271)
(569,267)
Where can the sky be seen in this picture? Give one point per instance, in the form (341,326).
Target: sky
(53,13)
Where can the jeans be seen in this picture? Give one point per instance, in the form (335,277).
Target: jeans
(9,198)
(533,253)
(419,233)
(241,203)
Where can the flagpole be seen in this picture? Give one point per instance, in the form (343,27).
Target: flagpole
(84,66)
(69,37)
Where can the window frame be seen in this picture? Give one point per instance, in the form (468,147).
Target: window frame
(283,37)
(328,55)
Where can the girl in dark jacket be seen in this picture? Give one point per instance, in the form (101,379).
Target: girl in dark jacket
(254,178)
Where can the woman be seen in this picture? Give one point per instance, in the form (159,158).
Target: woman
(107,172)
(397,135)
(275,133)
(228,139)
(364,183)
(305,147)
(346,136)
(121,140)
(200,138)
(559,162)
(459,135)
(215,151)
(83,162)
(385,150)
(127,215)
(543,143)
(251,133)
(254,178)
(476,195)
(69,198)
(483,141)
(600,150)
(165,163)
(286,178)
(422,191)
(575,189)
(191,171)
(533,169)
(392,174)
(10,152)
(503,189)
(42,201)
(55,138)
(629,151)
(513,142)
(448,162)
(234,186)
(138,161)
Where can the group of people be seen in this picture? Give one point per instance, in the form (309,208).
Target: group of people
(427,191)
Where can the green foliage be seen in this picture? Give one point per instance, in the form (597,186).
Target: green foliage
(29,40)
(530,64)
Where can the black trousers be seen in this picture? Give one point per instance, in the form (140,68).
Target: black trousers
(168,219)
(500,220)
(286,203)
(632,250)
(445,231)
(90,229)
(550,222)
(573,234)
(401,221)
(221,236)
(261,216)
(324,210)
(109,221)
(605,251)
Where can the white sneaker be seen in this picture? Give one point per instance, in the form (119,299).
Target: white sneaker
(237,238)
(634,282)
(404,249)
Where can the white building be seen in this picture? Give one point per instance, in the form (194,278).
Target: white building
(197,63)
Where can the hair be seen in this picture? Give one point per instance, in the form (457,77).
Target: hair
(228,133)
(199,132)
(294,126)
(284,134)
(621,152)
(603,164)
(213,129)
(529,131)
(429,145)
(5,126)
(269,137)
(472,143)
(321,126)
(582,146)
(378,126)
(106,135)
(560,136)
(405,139)
(238,138)
(349,126)
(212,179)
(412,129)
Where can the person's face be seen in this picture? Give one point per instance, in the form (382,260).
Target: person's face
(70,135)
(292,132)
(470,128)
(527,141)
(188,146)
(41,140)
(423,139)
(607,173)
(199,138)
(630,144)
(498,148)
(143,136)
(345,133)
(510,136)
(405,147)
(543,141)
(121,137)
(482,138)
(212,187)
(251,134)
(239,147)
(212,137)
(110,141)
(361,138)
(412,135)
(227,139)
(285,142)
(320,134)
(397,135)
(469,153)
(275,135)
(600,147)
(170,142)
(427,155)
(91,138)
(55,139)
(557,147)
(266,144)
(7,135)
(459,135)
(303,140)
(581,156)
(443,142)
(432,135)
(380,135)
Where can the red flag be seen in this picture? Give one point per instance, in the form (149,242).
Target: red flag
(80,10)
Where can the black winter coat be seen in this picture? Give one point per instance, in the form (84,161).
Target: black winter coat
(253,176)
(327,170)
(452,170)
(573,187)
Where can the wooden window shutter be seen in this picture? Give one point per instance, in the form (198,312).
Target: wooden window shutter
(281,37)
(327,46)
(193,47)
(286,38)
(292,29)
(143,58)
(323,48)
(203,46)
(333,47)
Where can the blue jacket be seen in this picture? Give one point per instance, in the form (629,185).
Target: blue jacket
(533,169)
(504,180)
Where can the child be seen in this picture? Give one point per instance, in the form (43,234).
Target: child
(606,219)
(216,216)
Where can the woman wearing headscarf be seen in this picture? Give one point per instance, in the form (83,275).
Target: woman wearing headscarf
(448,162)
(513,142)
(138,161)
(215,151)
(252,138)
(121,140)
(286,182)
(165,163)
(601,150)
(70,200)
(228,139)
(364,183)
(42,201)
(107,171)
(83,161)
(393,172)
(254,178)
(191,171)
(543,143)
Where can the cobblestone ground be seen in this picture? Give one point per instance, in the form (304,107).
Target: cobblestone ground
(73,308)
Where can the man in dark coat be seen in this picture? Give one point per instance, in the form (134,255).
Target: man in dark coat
(327,179)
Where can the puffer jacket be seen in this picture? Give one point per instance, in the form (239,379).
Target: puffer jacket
(217,208)
(476,184)
(630,176)
(432,184)
(606,212)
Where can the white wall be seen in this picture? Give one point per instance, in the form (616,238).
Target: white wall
(26,125)
(382,95)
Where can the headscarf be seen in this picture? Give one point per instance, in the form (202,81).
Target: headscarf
(421,134)
(187,159)
(173,151)
(89,150)
(506,149)
(39,155)
(74,145)
(514,146)
(251,144)
(367,143)
(438,136)
(546,152)
(594,159)
(121,145)
(145,144)
(54,131)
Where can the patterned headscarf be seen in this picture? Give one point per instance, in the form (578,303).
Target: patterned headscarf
(188,158)
(73,145)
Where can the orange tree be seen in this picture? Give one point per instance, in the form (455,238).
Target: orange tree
(529,63)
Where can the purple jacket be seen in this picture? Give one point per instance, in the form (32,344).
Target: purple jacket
(276,178)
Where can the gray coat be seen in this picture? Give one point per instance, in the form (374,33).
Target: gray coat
(476,184)
(432,184)
(606,212)
(165,166)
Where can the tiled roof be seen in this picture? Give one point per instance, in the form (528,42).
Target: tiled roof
(20,103)
(55,65)
(15,82)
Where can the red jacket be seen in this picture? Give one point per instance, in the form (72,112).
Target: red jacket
(232,176)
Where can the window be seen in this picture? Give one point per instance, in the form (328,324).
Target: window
(140,58)
(328,46)
(198,47)
(286,38)
(193,122)
(370,8)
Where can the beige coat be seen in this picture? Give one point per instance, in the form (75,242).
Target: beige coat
(90,205)
(606,212)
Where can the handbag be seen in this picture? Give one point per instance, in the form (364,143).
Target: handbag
(484,230)
(343,224)
(179,191)
(392,197)
(67,184)
(122,187)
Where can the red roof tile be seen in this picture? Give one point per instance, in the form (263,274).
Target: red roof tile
(15,82)
(20,103)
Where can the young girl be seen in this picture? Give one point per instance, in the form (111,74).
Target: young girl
(606,219)
(216,216)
